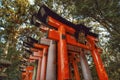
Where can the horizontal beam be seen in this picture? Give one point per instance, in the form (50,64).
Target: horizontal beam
(38,54)
(56,24)
(33,58)
(44,12)
(73,48)
(45,41)
(39,46)
(48,17)
(54,35)
(72,41)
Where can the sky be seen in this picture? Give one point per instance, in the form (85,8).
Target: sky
(0,2)
(31,2)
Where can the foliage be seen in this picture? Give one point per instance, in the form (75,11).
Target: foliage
(103,16)
(14,25)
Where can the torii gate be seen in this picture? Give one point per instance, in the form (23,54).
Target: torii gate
(41,51)
(60,34)
(27,75)
(42,65)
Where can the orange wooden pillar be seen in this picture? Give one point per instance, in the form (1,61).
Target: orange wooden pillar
(97,60)
(75,66)
(63,66)
(24,75)
(30,71)
(38,66)
(60,36)
(28,74)
(39,69)
(44,65)
(37,55)
(44,59)
(76,71)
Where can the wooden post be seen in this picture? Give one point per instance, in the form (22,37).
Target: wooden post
(85,67)
(51,62)
(44,64)
(63,66)
(97,60)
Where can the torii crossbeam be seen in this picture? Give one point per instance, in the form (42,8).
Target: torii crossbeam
(65,33)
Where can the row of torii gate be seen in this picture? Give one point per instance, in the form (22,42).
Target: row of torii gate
(58,55)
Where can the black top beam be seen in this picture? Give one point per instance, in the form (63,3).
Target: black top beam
(44,12)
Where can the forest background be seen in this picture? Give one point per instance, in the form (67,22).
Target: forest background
(102,15)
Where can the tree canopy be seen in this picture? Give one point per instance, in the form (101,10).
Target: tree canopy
(102,15)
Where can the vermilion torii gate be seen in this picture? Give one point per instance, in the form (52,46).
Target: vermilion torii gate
(40,52)
(27,74)
(67,33)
